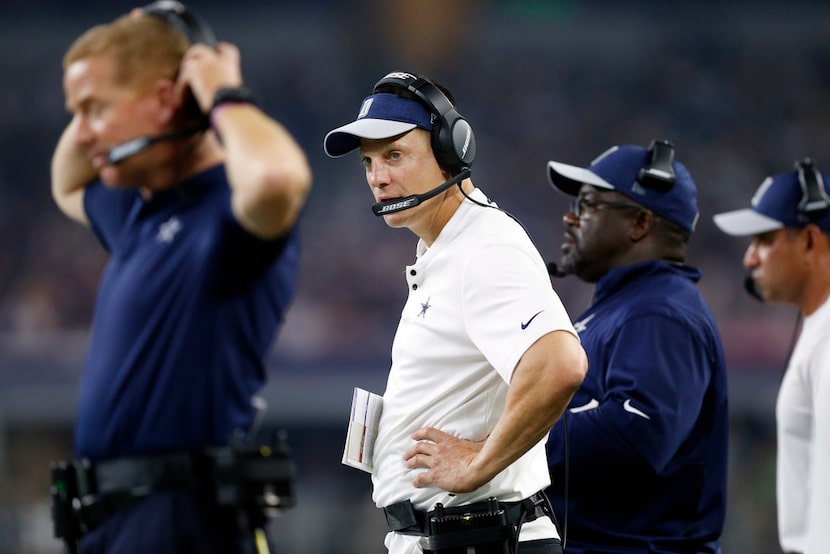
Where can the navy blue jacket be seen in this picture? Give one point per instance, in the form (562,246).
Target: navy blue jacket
(647,431)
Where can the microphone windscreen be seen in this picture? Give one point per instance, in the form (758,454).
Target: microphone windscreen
(554,271)
(121,152)
(751,289)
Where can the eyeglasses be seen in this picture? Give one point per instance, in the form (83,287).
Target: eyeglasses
(578,205)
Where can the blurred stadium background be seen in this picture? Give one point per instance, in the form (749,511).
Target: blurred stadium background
(738,86)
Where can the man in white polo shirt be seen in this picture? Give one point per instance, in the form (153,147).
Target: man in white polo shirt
(485,358)
(789,262)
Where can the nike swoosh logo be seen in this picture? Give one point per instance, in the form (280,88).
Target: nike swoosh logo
(632,410)
(524,325)
(592,404)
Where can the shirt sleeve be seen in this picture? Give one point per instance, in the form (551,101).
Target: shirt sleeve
(509,304)
(107,210)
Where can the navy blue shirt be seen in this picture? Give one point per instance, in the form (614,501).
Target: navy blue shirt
(648,428)
(187,308)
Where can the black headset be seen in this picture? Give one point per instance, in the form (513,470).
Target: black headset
(453,141)
(191,25)
(814,201)
(197,31)
(659,174)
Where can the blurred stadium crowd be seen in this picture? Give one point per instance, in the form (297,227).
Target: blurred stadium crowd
(739,87)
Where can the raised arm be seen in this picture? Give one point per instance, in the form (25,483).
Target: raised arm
(268,171)
(71,173)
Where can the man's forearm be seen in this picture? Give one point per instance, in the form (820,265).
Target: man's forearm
(542,385)
(71,172)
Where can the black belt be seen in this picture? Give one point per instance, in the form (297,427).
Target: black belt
(110,486)
(139,475)
(248,483)
(403,518)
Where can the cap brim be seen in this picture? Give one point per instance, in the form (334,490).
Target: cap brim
(746,222)
(569,178)
(343,140)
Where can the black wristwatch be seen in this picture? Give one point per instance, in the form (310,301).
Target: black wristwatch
(235,95)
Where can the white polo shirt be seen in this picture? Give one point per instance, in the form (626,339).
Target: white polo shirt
(803,438)
(479,297)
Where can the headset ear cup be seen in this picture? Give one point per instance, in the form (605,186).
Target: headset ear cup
(659,172)
(464,142)
(814,201)
(442,146)
(453,143)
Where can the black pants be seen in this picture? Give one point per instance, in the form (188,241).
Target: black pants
(541,546)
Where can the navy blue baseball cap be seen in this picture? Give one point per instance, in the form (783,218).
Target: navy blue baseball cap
(777,203)
(618,168)
(381,116)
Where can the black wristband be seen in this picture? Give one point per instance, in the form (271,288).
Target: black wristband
(235,95)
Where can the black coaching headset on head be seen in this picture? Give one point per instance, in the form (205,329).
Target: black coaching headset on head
(452,137)
(658,173)
(196,30)
(814,201)
(453,142)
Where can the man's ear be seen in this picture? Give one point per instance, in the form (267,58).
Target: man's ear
(641,225)
(169,100)
(815,238)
